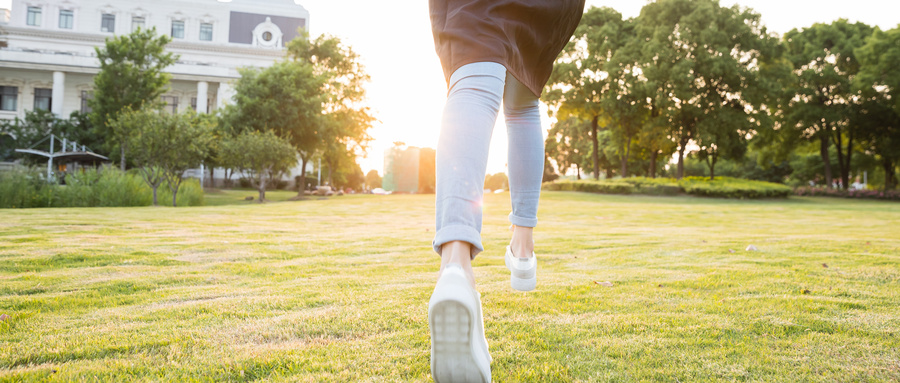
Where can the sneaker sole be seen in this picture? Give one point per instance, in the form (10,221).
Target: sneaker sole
(452,355)
(456,355)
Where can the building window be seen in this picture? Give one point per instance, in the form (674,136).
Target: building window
(43,99)
(208,104)
(171,103)
(108,23)
(66,19)
(178,29)
(206,32)
(34,16)
(86,96)
(8,96)
(137,22)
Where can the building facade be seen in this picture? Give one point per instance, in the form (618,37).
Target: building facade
(48,61)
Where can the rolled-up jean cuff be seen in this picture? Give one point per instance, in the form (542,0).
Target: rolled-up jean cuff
(523,222)
(458,233)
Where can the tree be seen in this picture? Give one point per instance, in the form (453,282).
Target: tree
(287,99)
(706,66)
(627,101)
(565,145)
(373,180)
(261,156)
(165,145)
(653,138)
(131,76)
(878,82)
(824,63)
(191,139)
(150,143)
(580,76)
(345,121)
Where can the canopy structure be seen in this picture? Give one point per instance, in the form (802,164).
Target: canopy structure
(69,152)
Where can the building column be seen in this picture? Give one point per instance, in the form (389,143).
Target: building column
(202,97)
(59,90)
(223,97)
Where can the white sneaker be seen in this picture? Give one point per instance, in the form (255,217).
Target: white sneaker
(522,271)
(459,351)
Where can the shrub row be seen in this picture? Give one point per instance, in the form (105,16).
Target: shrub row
(27,188)
(721,187)
(590,187)
(727,187)
(890,195)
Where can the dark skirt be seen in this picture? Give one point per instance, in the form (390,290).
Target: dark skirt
(525,36)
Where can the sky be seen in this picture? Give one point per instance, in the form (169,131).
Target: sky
(407,88)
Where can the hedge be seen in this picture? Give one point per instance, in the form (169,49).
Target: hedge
(727,187)
(721,187)
(591,187)
(890,195)
(27,188)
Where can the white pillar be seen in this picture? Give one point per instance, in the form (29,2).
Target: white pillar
(202,97)
(223,97)
(59,90)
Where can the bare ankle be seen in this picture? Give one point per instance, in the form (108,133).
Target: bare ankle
(458,253)
(522,242)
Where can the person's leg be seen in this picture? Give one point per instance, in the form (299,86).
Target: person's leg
(473,102)
(525,161)
(459,350)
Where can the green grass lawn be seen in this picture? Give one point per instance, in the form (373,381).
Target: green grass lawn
(337,290)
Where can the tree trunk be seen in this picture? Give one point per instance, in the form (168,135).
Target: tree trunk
(330,173)
(155,203)
(302,187)
(577,172)
(596,142)
(262,187)
(212,181)
(889,181)
(712,169)
(838,143)
(175,196)
(122,162)
(845,167)
(680,173)
(653,155)
(626,153)
(826,160)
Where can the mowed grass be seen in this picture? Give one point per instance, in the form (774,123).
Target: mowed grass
(337,290)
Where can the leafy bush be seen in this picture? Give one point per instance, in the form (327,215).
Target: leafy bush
(189,194)
(727,187)
(24,188)
(654,186)
(27,188)
(721,187)
(602,187)
(890,195)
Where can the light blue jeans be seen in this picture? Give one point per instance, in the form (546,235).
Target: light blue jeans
(473,103)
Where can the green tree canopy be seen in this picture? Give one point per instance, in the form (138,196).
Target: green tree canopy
(824,63)
(580,78)
(166,145)
(261,156)
(131,77)
(706,66)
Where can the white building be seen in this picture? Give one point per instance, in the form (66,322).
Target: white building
(47,57)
